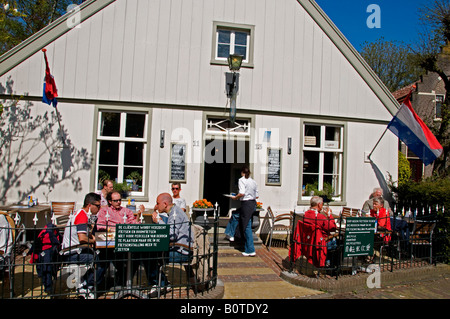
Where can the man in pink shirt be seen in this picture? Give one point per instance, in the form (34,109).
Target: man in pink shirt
(107,218)
(114,213)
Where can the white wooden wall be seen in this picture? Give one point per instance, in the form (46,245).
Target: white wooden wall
(158,52)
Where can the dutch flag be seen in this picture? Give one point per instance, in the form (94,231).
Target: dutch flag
(50,92)
(412,131)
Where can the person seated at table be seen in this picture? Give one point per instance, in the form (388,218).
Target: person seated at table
(176,198)
(368,204)
(180,232)
(108,187)
(107,219)
(319,218)
(78,244)
(383,220)
(115,213)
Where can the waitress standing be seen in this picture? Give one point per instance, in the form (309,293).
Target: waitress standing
(248,193)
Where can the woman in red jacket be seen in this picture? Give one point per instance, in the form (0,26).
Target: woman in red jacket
(382,216)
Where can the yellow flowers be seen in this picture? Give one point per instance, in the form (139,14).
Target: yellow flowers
(202,203)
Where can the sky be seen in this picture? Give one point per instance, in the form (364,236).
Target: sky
(394,20)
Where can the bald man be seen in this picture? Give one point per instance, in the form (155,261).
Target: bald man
(180,233)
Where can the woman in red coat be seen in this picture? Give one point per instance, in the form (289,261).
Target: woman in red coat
(318,224)
(382,216)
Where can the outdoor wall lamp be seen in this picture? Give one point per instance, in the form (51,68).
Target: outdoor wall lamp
(161,138)
(232,78)
(289,145)
(232,82)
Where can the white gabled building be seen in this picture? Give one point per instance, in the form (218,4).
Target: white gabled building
(142,80)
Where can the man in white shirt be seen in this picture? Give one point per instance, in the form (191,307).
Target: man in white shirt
(177,200)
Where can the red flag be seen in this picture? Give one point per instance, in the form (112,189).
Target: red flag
(50,91)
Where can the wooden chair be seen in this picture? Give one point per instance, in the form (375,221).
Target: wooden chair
(278,224)
(422,235)
(349,212)
(62,211)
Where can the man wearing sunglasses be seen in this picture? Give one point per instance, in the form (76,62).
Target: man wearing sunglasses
(117,214)
(78,243)
(177,200)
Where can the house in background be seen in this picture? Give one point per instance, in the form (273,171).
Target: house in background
(428,94)
(141,89)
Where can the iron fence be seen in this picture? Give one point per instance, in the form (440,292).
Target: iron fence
(50,274)
(416,241)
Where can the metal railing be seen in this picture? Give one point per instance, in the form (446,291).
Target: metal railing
(416,242)
(50,274)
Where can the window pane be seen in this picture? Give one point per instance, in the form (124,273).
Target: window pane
(310,183)
(312,136)
(135,125)
(240,38)
(109,152)
(223,50)
(310,162)
(332,137)
(224,36)
(330,183)
(133,153)
(134,175)
(331,163)
(110,170)
(241,51)
(110,124)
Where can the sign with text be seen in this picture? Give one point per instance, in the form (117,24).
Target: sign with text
(142,237)
(177,162)
(359,236)
(273,176)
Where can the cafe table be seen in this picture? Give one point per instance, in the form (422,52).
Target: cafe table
(29,215)
(105,240)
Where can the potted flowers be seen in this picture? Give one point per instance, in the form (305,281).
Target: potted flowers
(200,209)
(202,203)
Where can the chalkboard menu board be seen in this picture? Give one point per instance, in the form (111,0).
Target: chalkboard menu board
(359,236)
(273,176)
(177,162)
(142,237)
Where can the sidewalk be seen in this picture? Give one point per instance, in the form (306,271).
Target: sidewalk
(262,277)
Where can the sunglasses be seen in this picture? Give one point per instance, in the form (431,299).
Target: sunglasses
(115,200)
(175,189)
(96,205)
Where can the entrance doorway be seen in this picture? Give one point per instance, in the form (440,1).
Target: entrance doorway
(224,160)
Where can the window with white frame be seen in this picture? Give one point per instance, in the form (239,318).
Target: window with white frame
(439,100)
(232,39)
(322,160)
(121,148)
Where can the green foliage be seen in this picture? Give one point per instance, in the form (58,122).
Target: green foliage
(121,187)
(135,176)
(392,62)
(404,169)
(102,176)
(20,19)
(327,192)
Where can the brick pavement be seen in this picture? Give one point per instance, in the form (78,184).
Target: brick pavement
(263,277)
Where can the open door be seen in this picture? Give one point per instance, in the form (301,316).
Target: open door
(223,163)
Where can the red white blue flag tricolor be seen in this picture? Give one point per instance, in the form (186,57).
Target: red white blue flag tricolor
(412,131)
(50,92)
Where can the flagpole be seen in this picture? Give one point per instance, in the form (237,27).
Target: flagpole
(407,97)
(377,143)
